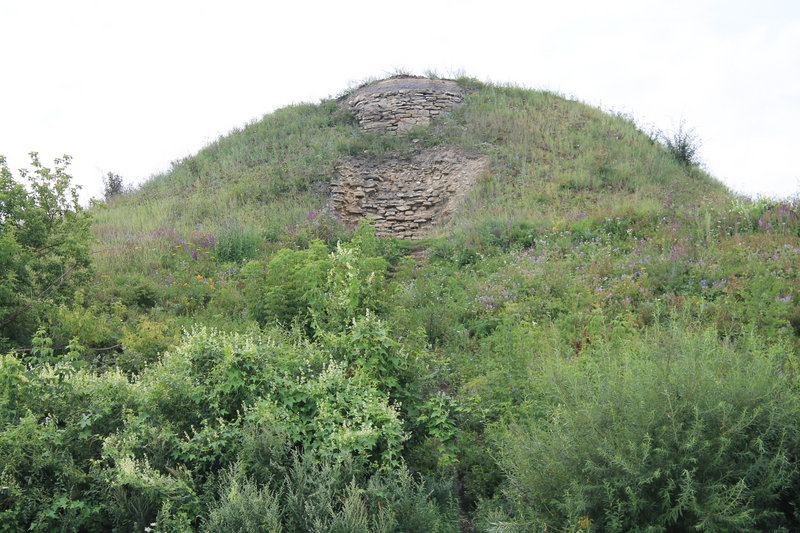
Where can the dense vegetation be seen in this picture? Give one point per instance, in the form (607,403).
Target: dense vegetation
(602,339)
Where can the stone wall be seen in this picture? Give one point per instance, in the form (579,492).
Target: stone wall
(402,103)
(404,197)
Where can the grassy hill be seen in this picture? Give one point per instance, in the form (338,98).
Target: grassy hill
(550,159)
(601,338)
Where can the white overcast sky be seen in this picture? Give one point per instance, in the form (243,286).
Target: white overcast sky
(127,87)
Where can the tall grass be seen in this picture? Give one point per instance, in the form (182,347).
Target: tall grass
(267,176)
(549,157)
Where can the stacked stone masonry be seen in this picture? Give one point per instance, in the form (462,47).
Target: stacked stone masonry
(401,104)
(404,197)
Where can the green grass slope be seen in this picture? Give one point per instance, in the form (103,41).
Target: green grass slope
(550,159)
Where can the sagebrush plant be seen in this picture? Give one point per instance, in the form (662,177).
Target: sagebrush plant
(243,506)
(676,432)
(329,495)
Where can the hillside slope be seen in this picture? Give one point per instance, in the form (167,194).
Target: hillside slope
(549,159)
(582,333)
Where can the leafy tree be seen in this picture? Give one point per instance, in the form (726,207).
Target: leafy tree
(44,244)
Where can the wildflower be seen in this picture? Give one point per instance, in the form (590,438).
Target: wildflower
(199,276)
(178,245)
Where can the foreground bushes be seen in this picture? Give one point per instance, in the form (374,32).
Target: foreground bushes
(578,357)
(227,432)
(677,433)
(326,497)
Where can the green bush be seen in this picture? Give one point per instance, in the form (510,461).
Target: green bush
(94,326)
(142,343)
(683,145)
(339,411)
(367,345)
(332,495)
(356,282)
(135,290)
(316,289)
(243,507)
(112,186)
(44,244)
(282,291)
(50,445)
(677,433)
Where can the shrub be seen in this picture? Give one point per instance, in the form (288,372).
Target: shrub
(112,186)
(142,343)
(49,447)
(312,287)
(94,326)
(282,291)
(334,495)
(367,345)
(44,244)
(355,283)
(677,433)
(15,389)
(683,145)
(135,290)
(243,507)
(338,412)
